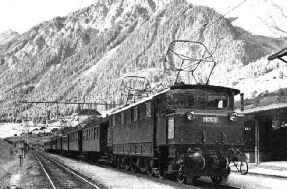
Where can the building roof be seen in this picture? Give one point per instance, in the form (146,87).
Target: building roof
(89,112)
(265,108)
(279,55)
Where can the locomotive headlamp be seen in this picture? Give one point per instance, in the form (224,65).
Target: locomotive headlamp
(233,116)
(190,115)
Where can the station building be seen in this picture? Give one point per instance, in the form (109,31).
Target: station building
(266,128)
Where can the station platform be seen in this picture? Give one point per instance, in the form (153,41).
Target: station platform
(271,168)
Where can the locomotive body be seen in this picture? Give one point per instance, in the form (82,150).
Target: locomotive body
(186,130)
(201,128)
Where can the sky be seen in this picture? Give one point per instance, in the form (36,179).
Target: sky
(22,15)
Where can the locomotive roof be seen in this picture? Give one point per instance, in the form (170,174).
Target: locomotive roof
(226,90)
(140,101)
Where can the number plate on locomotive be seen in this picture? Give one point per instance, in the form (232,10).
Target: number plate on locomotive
(210,119)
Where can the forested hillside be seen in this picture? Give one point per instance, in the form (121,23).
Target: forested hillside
(84,56)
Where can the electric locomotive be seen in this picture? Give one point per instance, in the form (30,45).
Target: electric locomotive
(186,130)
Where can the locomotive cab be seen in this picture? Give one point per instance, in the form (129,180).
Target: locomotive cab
(203,115)
(201,128)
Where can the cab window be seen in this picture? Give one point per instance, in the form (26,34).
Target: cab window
(217,101)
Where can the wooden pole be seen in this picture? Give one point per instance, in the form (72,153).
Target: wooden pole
(257,148)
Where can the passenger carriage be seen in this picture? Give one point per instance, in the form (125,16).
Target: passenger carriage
(94,139)
(75,142)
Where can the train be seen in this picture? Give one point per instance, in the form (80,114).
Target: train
(186,131)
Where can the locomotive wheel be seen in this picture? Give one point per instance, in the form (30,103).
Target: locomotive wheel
(142,165)
(243,168)
(127,166)
(143,169)
(115,161)
(216,179)
(133,167)
(162,173)
(149,168)
(118,163)
(181,178)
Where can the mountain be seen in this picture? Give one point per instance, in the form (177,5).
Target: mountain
(259,17)
(263,17)
(7,36)
(85,56)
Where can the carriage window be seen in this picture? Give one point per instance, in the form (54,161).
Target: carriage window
(95,133)
(98,132)
(148,109)
(217,101)
(91,134)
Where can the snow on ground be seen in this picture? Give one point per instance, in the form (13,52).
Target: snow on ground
(9,129)
(111,178)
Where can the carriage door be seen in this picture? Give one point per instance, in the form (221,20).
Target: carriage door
(160,120)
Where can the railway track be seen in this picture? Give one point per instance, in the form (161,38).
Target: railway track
(60,177)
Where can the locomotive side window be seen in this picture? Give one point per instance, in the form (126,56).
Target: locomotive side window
(122,118)
(129,116)
(132,114)
(136,113)
(114,120)
(148,109)
(142,111)
(118,119)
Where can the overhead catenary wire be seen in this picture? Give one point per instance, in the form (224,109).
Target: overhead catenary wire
(143,52)
(207,25)
(236,37)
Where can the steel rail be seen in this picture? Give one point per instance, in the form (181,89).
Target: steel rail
(67,169)
(47,175)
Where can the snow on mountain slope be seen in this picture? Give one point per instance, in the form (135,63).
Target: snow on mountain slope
(7,36)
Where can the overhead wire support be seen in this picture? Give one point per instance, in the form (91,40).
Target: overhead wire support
(57,102)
